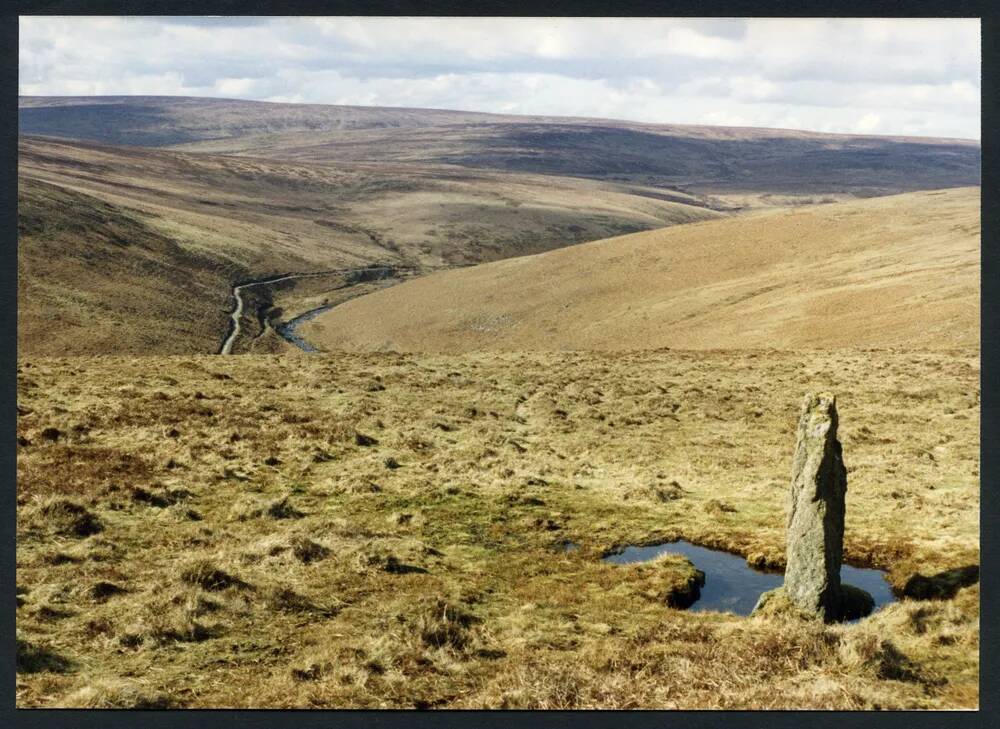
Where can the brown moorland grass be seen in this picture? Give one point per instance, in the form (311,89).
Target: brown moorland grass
(285,214)
(893,271)
(385,530)
(98,277)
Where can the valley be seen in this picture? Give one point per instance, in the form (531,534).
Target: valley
(235,219)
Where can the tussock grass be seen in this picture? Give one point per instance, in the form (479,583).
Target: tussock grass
(444,582)
(67,518)
(204,574)
(117,695)
(306,550)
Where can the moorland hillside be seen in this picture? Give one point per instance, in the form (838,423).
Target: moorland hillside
(893,271)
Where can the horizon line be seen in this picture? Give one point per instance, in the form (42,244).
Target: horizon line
(974,140)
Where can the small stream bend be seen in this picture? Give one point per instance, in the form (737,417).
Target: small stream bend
(287,330)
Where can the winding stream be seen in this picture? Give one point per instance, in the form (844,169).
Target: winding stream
(287,330)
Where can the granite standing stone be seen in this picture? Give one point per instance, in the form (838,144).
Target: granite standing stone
(815,537)
(815,541)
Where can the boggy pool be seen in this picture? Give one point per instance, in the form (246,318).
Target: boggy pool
(731,585)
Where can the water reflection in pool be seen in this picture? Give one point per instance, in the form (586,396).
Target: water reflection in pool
(731,585)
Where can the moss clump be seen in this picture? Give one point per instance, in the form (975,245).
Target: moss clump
(854,603)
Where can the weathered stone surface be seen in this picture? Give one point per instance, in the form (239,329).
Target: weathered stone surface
(815,539)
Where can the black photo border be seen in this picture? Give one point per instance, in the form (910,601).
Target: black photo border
(990,372)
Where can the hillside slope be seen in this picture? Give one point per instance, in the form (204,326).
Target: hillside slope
(721,165)
(354,213)
(901,270)
(98,278)
(237,218)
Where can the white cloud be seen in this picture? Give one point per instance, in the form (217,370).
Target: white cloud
(689,42)
(236,86)
(868,123)
(895,76)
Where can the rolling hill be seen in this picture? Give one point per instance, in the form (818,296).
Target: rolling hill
(220,219)
(899,270)
(97,277)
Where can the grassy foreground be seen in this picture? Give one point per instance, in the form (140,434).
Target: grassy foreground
(385,530)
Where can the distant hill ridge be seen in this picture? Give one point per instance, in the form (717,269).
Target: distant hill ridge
(156,121)
(700,160)
(62,116)
(207,191)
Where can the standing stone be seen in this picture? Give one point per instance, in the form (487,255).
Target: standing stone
(816,510)
(815,538)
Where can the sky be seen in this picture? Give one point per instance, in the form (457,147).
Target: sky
(869,76)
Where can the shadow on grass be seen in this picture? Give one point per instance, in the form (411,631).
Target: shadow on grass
(394,566)
(38,659)
(943,585)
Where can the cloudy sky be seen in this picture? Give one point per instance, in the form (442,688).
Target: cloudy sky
(879,76)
